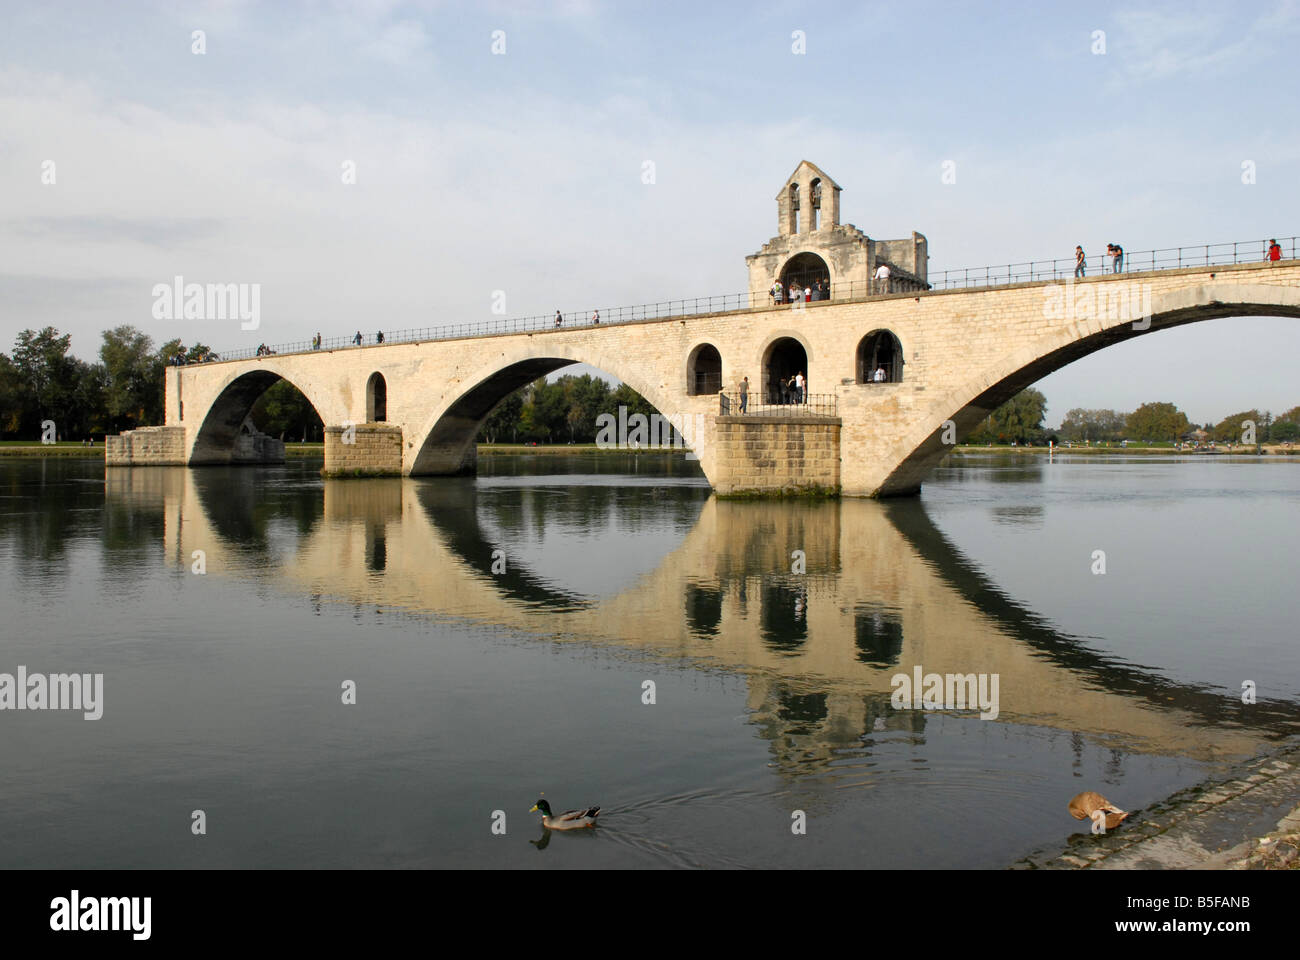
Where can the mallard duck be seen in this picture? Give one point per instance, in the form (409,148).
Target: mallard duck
(1093,806)
(569,819)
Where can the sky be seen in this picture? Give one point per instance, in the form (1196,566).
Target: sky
(522,171)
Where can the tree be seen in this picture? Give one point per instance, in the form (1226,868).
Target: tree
(1080,424)
(504,420)
(47,379)
(1285,431)
(282,411)
(1230,429)
(134,392)
(1019,420)
(1157,421)
(11,397)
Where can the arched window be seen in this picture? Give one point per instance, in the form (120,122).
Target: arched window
(376,399)
(784,359)
(880,358)
(704,370)
(807,271)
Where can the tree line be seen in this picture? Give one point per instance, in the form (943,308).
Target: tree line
(42,381)
(1020,420)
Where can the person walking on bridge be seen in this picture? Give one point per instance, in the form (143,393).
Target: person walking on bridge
(882,278)
(357,338)
(744,394)
(559,319)
(1080,263)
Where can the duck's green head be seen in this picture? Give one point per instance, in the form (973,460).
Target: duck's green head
(543,806)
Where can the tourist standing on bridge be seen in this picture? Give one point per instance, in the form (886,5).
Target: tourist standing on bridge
(744,394)
(794,294)
(882,278)
(1274,251)
(1080,263)
(798,387)
(1117,255)
(379,337)
(558,318)
(315,341)
(879,375)
(595,318)
(357,338)
(778,292)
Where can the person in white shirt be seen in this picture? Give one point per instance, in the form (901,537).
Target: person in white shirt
(882,279)
(794,292)
(778,292)
(879,376)
(807,294)
(798,387)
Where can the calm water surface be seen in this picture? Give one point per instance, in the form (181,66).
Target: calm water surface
(499,632)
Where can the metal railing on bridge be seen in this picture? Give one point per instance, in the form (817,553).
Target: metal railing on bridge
(1141,261)
(1134,262)
(810,405)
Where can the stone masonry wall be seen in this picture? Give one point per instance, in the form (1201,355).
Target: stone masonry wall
(146,446)
(376,449)
(756,454)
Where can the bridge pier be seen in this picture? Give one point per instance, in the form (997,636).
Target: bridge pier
(775,455)
(363,449)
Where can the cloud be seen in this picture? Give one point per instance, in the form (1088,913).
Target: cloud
(401,44)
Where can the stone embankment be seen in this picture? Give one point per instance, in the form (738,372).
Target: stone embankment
(1246,823)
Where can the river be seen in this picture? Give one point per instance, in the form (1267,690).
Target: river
(717,675)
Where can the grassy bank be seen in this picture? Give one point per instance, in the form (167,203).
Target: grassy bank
(1130,450)
(68,448)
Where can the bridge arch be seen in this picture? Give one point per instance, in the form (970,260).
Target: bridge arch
(215,441)
(444,443)
(880,350)
(376,398)
(703,370)
(784,354)
(973,400)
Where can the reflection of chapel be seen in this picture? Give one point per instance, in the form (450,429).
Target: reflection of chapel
(812,245)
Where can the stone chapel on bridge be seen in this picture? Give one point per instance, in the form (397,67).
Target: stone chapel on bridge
(812,246)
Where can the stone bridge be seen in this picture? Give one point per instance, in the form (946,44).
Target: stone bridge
(947,357)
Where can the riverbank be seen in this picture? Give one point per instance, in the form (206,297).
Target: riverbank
(1273,450)
(11,449)
(21,449)
(1250,821)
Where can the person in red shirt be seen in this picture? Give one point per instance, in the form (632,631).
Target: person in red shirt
(1274,251)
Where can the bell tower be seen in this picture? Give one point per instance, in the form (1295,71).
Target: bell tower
(832,260)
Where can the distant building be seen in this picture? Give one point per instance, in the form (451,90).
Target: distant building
(812,245)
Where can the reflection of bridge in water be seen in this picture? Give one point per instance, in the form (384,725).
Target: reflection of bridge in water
(884,591)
